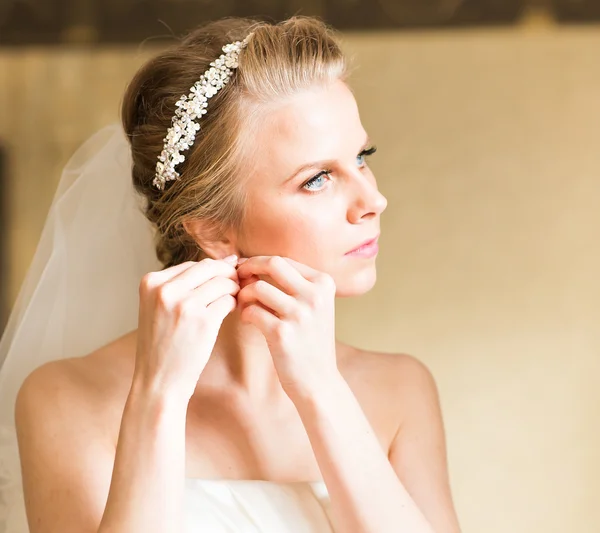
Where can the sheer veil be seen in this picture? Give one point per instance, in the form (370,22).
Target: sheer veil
(81,289)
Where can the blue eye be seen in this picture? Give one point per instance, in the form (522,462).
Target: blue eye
(317,177)
(360,156)
(365,153)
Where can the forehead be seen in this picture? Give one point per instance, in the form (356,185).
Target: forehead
(319,124)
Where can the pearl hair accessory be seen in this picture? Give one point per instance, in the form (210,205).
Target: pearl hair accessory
(181,135)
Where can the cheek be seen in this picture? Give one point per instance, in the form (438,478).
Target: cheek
(308,237)
(304,230)
(281,233)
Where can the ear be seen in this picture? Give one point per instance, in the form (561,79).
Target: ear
(213,242)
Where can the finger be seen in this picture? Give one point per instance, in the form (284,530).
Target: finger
(200,273)
(308,272)
(244,282)
(212,290)
(222,306)
(266,294)
(162,276)
(260,317)
(167,274)
(287,276)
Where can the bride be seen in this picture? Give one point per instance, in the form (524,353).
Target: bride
(173,366)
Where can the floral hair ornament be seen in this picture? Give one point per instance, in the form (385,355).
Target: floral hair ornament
(181,135)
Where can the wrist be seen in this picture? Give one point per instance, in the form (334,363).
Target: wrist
(156,396)
(319,395)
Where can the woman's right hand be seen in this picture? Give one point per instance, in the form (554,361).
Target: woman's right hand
(180,314)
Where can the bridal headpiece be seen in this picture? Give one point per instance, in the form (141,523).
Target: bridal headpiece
(181,135)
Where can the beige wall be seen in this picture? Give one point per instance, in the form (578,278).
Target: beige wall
(488,271)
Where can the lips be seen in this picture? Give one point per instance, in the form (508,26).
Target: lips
(366,243)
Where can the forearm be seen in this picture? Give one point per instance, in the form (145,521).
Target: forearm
(146,491)
(366,494)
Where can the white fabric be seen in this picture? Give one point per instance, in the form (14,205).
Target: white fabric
(249,506)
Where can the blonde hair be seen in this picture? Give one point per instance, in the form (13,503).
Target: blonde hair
(280,60)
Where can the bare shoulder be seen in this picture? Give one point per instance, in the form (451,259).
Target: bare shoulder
(99,371)
(398,382)
(389,386)
(386,369)
(65,441)
(89,388)
(408,393)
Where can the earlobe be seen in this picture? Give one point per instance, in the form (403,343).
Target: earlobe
(213,244)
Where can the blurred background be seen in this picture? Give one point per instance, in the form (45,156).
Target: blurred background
(486,115)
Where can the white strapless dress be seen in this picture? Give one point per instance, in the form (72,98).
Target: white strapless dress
(255,506)
(231,506)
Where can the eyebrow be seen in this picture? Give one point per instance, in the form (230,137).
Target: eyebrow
(319,164)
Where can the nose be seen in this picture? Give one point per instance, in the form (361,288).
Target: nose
(365,199)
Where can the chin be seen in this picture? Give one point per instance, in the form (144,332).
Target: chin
(355,283)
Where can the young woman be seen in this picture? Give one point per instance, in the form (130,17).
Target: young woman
(231,406)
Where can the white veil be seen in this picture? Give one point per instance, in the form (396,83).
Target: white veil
(81,290)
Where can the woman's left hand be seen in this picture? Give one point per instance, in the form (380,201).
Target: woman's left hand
(296,314)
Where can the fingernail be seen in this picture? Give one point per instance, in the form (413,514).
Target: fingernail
(242,260)
(231,259)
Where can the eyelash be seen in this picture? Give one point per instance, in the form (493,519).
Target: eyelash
(366,152)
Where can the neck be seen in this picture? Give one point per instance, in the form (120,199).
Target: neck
(241,362)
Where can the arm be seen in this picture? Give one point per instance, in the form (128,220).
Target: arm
(418,451)
(66,467)
(367,495)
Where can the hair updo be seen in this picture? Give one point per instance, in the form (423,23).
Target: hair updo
(280,60)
